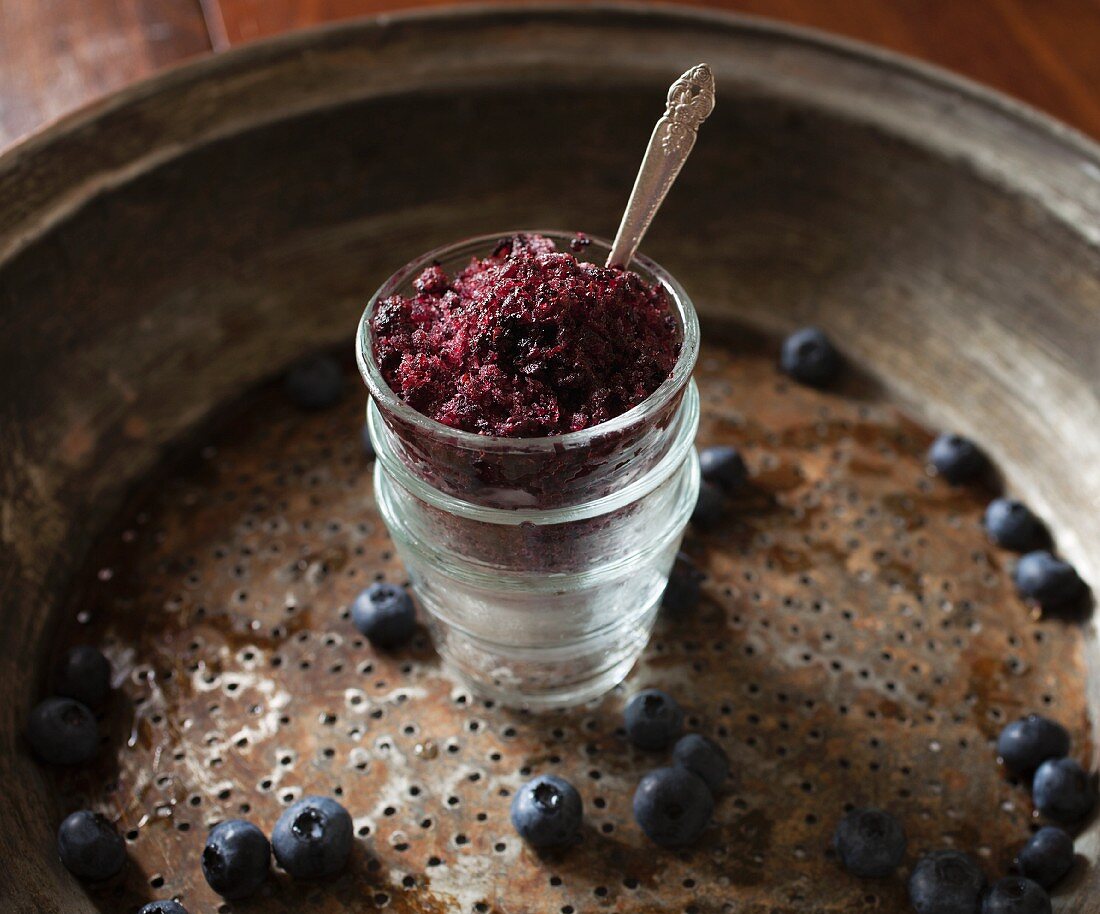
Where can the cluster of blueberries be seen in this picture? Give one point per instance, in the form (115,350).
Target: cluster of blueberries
(672,805)
(1051,583)
(809,357)
(871,843)
(312,838)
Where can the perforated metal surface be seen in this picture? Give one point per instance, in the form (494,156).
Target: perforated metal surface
(859,642)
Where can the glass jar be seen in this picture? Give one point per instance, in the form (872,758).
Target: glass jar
(539,563)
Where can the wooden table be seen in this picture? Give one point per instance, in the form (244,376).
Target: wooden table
(58,54)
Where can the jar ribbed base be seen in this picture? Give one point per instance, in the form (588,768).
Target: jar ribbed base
(541,608)
(559,685)
(543,641)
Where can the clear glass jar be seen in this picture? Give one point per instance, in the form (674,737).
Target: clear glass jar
(538,562)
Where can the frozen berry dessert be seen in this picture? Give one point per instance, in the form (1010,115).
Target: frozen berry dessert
(521,373)
(527,342)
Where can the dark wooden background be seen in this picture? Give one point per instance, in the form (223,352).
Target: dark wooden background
(58,54)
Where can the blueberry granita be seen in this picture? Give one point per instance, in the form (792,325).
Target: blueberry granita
(526,342)
(519,373)
(533,420)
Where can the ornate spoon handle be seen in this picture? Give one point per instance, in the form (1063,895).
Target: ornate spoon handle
(690,101)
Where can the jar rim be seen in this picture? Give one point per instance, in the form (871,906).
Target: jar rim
(393,405)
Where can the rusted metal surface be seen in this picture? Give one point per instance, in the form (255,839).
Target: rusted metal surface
(859,642)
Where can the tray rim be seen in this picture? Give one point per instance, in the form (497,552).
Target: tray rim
(1026,120)
(199,67)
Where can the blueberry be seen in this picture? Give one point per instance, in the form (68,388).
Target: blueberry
(547,811)
(809,357)
(385,614)
(1050,582)
(1062,791)
(653,719)
(84,674)
(956,459)
(702,757)
(724,467)
(1011,524)
(1026,743)
(1016,895)
(710,506)
(367,442)
(312,838)
(870,843)
(682,593)
(946,882)
(62,731)
(315,383)
(1047,857)
(672,806)
(89,846)
(163,907)
(236,858)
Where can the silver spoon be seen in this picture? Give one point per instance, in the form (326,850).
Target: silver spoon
(690,101)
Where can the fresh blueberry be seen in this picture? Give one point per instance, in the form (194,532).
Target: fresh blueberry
(870,843)
(367,441)
(809,357)
(62,731)
(385,614)
(236,858)
(724,467)
(84,674)
(672,806)
(710,506)
(946,882)
(163,907)
(653,719)
(1026,743)
(312,838)
(1011,524)
(1016,895)
(315,383)
(682,593)
(547,811)
(1063,791)
(956,459)
(702,757)
(1049,581)
(89,846)
(1047,857)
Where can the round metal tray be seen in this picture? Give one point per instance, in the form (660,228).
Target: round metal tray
(166,251)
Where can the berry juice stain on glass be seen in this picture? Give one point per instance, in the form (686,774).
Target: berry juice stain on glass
(534,419)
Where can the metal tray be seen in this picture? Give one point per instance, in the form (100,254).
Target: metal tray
(166,251)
